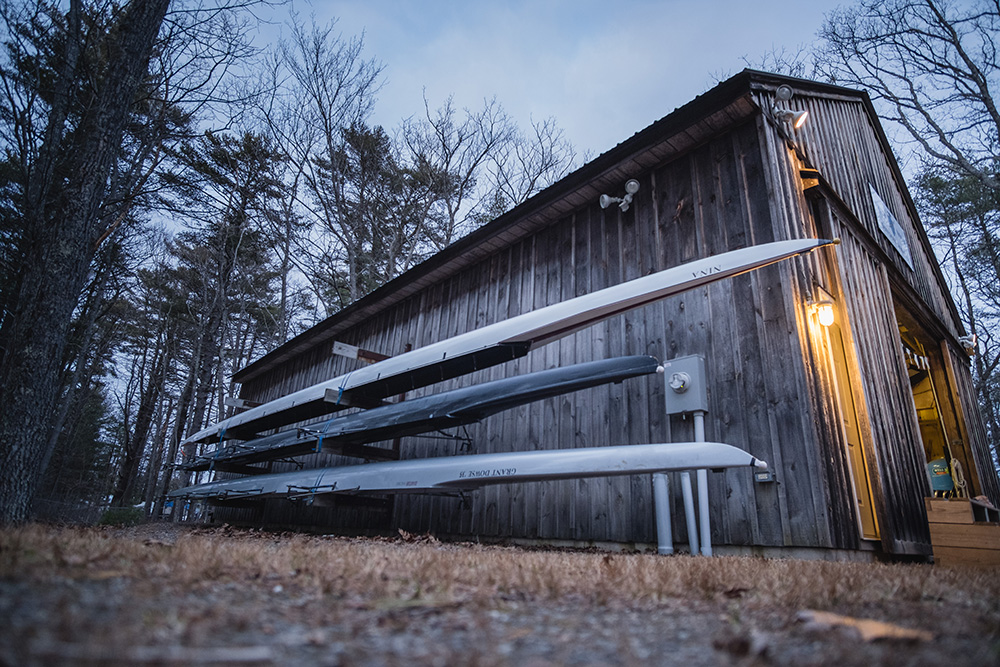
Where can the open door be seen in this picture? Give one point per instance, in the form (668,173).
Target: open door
(847,391)
(950,467)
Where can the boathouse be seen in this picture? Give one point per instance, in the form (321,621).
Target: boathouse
(848,412)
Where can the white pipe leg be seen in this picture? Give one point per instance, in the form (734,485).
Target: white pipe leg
(661,505)
(692,524)
(704,521)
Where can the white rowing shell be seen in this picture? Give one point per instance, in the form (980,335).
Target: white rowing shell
(456,473)
(520,333)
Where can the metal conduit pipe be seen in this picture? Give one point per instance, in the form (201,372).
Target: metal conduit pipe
(686,392)
(692,524)
(661,506)
(706,533)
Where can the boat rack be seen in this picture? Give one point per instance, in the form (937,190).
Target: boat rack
(350,434)
(493,344)
(281,447)
(367,387)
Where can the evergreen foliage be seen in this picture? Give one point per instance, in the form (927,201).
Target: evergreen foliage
(195,252)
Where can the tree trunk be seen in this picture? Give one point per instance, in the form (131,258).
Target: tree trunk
(135,442)
(176,436)
(62,223)
(204,370)
(74,381)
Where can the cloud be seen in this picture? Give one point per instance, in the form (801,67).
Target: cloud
(603,71)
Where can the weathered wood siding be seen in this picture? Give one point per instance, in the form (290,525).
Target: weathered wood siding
(894,450)
(770,375)
(750,329)
(841,142)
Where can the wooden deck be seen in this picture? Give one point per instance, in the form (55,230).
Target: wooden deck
(964,532)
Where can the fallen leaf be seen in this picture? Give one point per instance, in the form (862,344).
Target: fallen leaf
(394,604)
(869,629)
(157,543)
(410,537)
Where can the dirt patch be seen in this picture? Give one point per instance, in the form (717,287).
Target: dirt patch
(168,595)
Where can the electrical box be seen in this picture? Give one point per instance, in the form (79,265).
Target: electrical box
(763,476)
(686,385)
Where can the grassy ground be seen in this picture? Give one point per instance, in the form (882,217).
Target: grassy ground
(161,594)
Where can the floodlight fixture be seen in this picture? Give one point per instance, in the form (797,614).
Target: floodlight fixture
(796,119)
(631,187)
(783,93)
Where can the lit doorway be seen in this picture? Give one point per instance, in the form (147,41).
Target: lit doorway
(851,429)
(945,453)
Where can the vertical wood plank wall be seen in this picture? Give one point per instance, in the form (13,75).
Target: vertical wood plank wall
(767,360)
(897,453)
(708,201)
(840,141)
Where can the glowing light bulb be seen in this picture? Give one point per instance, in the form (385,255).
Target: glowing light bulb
(825,311)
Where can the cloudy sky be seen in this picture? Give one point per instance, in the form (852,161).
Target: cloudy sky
(604,70)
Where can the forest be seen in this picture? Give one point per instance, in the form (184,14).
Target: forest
(177,200)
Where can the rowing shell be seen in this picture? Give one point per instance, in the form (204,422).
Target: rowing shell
(449,409)
(496,343)
(460,473)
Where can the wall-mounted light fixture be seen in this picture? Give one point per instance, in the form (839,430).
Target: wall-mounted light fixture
(810,178)
(969,344)
(794,118)
(822,304)
(824,309)
(631,187)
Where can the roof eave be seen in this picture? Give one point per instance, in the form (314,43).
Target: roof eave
(685,128)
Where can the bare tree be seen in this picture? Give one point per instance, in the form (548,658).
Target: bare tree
(530,162)
(931,67)
(798,62)
(322,85)
(454,152)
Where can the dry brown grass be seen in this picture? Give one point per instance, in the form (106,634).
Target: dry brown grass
(382,577)
(378,568)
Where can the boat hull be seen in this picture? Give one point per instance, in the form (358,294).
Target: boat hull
(461,473)
(448,409)
(496,343)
